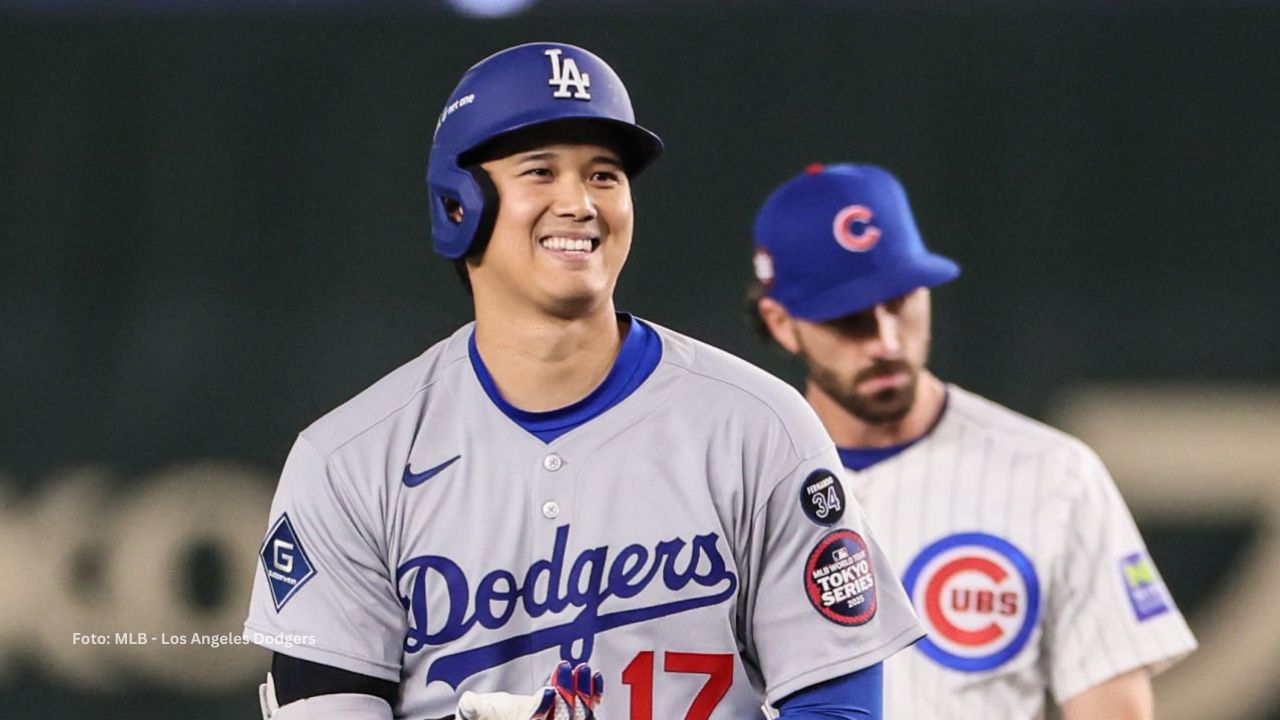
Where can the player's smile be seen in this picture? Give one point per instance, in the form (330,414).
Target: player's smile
(570,245)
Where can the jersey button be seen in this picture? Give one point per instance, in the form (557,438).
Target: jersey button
(552,462)
(550,509)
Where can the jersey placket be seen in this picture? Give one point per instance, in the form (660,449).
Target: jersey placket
(551,509)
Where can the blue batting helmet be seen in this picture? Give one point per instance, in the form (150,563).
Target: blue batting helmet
(516,89)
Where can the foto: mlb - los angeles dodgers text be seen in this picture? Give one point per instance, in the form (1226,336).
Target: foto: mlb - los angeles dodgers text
(210,640)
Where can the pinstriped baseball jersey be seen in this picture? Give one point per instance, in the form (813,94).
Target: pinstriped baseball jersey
(1022,561)
(692,542)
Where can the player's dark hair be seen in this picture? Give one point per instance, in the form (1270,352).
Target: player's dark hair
(755,292)
(460,266)
(576,130)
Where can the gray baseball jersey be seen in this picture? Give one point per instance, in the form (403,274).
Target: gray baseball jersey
(1023,562)
(691,542)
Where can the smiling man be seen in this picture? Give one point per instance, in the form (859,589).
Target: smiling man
(560,489)
(1016,548)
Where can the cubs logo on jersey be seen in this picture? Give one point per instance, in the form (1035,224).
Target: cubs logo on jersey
(979,598)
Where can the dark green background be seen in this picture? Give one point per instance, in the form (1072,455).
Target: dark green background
(213,227)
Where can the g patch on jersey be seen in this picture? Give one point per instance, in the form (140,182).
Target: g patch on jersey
(822,497)
(840,579)
(1146,593)
(979,598)
(285,562)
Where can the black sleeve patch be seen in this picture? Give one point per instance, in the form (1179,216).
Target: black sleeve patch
(822,497)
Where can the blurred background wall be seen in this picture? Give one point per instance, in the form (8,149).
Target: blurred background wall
(213,229)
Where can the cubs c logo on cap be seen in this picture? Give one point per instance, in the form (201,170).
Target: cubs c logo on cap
(978,597)
(853,229)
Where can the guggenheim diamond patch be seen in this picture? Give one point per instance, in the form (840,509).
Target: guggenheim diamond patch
(285,562)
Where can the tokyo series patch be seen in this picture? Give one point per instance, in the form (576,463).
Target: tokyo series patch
(840,579)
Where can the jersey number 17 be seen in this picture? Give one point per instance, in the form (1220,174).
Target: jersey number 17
(639,677)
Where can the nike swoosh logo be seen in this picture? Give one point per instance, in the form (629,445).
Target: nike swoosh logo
(413,479)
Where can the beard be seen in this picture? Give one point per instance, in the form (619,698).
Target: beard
(882,407)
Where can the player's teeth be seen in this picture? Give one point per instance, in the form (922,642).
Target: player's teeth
(568,244)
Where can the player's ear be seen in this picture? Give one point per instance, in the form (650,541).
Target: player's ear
(779,322)
(453,209)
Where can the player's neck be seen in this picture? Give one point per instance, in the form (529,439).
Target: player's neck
(542,363)
(850,431)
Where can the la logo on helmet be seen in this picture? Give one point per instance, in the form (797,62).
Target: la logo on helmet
(565,73)
(843,229)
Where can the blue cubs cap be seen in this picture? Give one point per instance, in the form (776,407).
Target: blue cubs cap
(839,239)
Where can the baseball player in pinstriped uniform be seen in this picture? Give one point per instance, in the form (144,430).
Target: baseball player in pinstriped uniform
(1015,546)
(560,485)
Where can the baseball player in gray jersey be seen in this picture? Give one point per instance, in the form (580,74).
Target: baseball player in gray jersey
(559,489)
(1016,548)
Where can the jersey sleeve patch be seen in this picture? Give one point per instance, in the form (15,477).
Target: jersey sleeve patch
(1147,594)
(840,580)
(285,562)
(822,497)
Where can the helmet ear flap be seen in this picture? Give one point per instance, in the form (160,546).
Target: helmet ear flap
(452,188)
